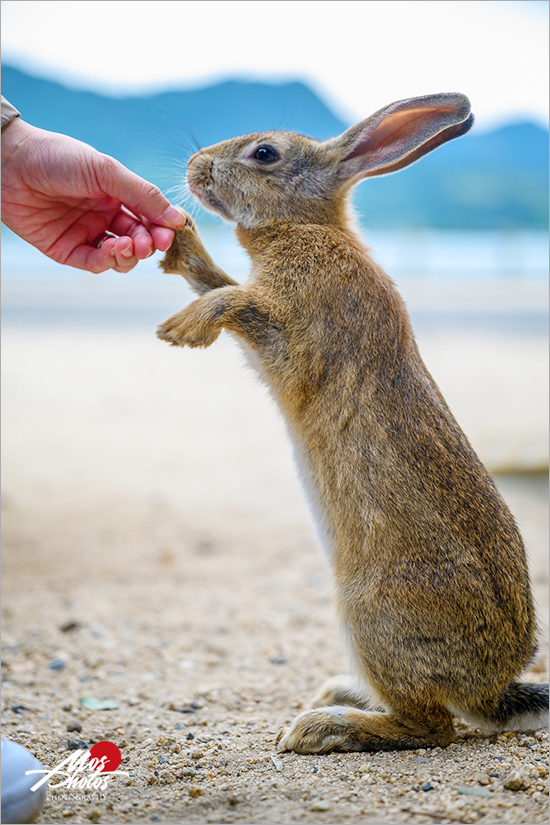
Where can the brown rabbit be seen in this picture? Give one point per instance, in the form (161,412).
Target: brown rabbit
(431,579)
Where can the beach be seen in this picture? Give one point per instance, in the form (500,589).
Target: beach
(158,556)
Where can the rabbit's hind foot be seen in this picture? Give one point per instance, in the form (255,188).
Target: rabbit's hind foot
(343,690)
(344,728)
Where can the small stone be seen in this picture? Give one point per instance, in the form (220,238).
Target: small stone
(166,777)
(526,741)
(188,772)
(195,791)
(74,724)
(197,755)
(469,791)
(190,736)
(427,786)
(483,779)
(320,805)
(67,707)
(74,745)
(68,626)
(516,781)
(57,664)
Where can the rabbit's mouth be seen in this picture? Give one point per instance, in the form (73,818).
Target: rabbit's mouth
(207,199)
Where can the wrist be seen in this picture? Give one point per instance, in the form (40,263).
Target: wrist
(15,136)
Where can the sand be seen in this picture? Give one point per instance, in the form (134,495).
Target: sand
(157,553)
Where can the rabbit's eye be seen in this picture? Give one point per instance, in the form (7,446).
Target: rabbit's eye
(265,154)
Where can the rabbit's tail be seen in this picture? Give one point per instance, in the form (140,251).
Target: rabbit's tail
(521,707)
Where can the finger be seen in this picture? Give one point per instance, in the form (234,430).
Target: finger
(140,196)
(162,237)
(123,254)
(114,253)
(91,258)
(143,233)
(124,223)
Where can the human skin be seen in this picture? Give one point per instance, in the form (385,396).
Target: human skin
(61,196)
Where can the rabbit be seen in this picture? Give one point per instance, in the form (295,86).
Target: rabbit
(431,583)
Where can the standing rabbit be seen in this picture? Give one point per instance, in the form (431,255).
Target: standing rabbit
(432,587)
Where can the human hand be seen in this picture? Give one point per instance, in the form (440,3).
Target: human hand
(62,196)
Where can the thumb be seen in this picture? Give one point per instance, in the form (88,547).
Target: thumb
(140,196)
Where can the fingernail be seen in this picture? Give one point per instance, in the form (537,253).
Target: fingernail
(174,216)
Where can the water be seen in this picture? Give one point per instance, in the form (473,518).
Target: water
(477,279)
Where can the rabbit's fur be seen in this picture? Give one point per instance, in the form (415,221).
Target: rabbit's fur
(431,579)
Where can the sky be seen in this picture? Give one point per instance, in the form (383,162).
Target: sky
(358,55)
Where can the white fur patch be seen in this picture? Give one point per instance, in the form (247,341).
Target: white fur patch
(524,722)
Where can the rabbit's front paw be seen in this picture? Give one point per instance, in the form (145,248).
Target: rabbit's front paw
(188,257)
(176,257)
(191,327)
(318,731)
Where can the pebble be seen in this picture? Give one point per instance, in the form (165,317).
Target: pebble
(74,724)
(74,745)
(320,806)
(516,781)
(195,791)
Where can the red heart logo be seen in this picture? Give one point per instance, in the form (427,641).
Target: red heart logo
(105,757)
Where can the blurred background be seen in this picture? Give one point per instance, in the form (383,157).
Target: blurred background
(464,232)
(156,545)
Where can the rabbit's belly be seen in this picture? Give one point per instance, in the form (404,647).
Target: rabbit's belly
(323,531)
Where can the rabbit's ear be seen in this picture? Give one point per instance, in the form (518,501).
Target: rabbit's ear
(401,133)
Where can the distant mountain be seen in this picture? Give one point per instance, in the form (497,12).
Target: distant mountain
(491,180)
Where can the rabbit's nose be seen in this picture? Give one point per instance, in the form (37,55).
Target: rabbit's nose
(199,170)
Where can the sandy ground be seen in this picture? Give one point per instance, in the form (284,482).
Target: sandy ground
(157,553)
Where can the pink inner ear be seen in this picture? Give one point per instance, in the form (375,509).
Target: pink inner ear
(408,126)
